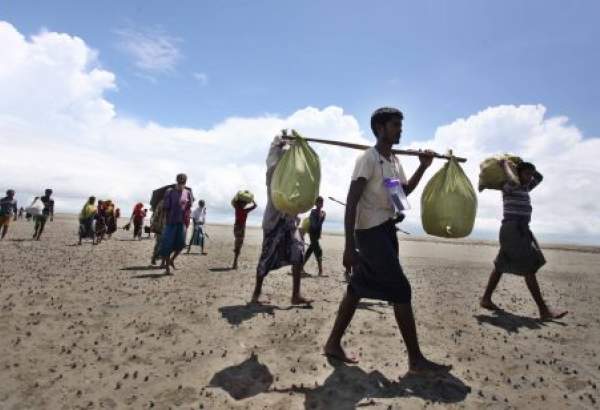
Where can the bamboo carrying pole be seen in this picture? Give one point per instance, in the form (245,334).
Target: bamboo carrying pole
(410,152)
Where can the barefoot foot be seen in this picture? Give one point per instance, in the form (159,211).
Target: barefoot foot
(299,300)
(336,352)
(553,314)
(488,304)
(256,300)
(424,366)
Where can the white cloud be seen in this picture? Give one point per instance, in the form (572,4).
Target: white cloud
(58,129)
(202,78)
(567,203)
(153,50)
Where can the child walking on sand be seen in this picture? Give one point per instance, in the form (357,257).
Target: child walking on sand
(242,209)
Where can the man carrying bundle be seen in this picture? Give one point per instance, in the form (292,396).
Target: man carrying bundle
(47,212)
(198,220)
(371,249)
(282,244)
(520,252)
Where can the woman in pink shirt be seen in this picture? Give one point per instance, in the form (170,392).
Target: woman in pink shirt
(176,207)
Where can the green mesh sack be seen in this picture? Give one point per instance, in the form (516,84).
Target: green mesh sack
(491,174)
(449,203)
(244,196)
(295,182)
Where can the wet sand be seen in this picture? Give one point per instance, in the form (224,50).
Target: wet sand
(97,327)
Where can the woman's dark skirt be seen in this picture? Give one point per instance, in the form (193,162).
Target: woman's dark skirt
(520,253)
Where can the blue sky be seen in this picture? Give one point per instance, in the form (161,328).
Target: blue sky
(124,95)
(437,60)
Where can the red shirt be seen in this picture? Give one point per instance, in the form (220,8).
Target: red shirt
(241,215)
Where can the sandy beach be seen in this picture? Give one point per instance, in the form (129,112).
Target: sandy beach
(98,327)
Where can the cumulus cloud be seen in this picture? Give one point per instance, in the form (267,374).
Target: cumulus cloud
(152,50)
(58,129)
(566,204)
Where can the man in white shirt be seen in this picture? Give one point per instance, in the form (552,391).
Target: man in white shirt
(198,219)
(371,249)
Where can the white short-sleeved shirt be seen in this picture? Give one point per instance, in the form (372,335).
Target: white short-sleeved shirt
(199,215)
(375,206)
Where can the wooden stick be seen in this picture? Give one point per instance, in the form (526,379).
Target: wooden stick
(410,152)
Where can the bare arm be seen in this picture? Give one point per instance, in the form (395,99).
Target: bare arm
(415,179)
(425,160)
(357,187)
(535,181)
(509,172)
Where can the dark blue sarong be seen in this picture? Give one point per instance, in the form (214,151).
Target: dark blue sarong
(379,274)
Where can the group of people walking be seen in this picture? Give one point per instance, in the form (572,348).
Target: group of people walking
(371,243)
(98,220)
(40,210)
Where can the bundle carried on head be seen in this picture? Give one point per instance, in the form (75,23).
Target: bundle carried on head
(491,175)
(244,196)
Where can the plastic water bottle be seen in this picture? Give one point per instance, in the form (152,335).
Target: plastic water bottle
(396,194)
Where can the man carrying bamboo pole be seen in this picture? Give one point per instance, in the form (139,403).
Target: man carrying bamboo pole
(371,249)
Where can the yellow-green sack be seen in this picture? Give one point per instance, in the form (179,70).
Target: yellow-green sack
(295,182)
(449,203)
(244,196)
(491,174)
(305,225)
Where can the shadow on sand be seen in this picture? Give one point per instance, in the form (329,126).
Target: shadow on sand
(146,275)
(237,314)
(151,276)
(512,323)
(244,380)
(226,269)
(345,388)
(142,267)
(371,305)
